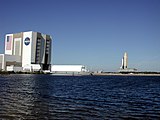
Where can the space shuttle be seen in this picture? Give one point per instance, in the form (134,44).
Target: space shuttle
(124,64)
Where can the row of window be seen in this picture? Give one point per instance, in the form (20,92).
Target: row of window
(38,48)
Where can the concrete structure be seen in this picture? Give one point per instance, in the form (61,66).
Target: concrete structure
(68,69)
(31,49)
(124,66)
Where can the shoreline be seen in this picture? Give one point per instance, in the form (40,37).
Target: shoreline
(86,74)
(118,74)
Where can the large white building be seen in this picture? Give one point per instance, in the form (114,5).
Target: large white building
(29,50)
(68,69)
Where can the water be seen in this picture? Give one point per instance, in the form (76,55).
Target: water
(82,97)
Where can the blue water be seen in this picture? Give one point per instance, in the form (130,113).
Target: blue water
(82,97)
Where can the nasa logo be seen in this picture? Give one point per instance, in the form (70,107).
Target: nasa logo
(27,41)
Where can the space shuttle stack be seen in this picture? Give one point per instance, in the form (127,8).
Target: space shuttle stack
(124,61)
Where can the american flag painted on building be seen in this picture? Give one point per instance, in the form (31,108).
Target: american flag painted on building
(9,43)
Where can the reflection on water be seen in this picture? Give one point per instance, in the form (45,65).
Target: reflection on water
(22,96)
(86,97)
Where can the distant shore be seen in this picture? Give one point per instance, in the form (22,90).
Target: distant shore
(92,74)
(11,72)
(119,74)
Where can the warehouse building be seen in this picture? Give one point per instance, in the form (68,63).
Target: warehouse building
(68,69)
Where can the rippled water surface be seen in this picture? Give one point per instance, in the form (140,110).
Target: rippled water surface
(81,97)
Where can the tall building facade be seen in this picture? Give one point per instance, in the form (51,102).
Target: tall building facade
(34,48)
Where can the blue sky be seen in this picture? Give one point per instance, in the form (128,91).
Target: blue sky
(95,33)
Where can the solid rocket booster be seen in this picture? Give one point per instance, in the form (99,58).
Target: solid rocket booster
(125,60)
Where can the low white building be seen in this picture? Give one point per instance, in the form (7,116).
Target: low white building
(68,69)
(9,60)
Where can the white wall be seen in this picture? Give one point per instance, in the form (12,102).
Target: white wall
(1,61)
(11,58)
(35,67)
(32,67)
(26,54)
(13,68)
(66,68)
